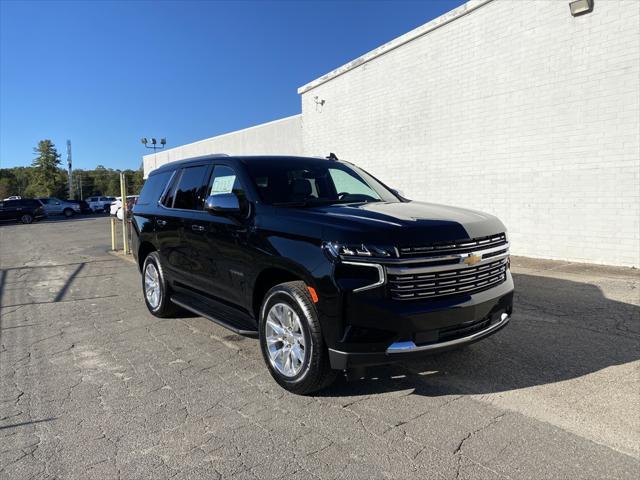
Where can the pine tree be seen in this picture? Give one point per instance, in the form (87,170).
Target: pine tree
(46,169)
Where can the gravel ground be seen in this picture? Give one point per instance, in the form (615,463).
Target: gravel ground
(93,386)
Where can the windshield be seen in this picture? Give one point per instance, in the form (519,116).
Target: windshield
(314,181)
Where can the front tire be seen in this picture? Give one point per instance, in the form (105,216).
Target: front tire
(26,218)
(291,340)
(68,212)
(155,288)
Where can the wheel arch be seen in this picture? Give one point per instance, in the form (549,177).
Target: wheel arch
(269,278)
(144,250)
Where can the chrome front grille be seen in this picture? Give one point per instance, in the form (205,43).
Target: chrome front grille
(447,269)
(448,282)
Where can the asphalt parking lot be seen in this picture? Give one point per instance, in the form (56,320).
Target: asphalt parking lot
(93,386)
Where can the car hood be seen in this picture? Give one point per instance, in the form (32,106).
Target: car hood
(397,223)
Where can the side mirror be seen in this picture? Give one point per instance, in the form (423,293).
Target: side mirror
(223,204)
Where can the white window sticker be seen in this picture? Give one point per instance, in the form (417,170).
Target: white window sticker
(222,185)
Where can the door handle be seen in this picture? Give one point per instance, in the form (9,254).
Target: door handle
(197,228)
(162,223)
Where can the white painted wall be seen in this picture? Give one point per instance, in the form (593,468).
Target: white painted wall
(280,137)
(511,107)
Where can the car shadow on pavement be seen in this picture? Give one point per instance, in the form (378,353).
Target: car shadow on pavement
(560,330)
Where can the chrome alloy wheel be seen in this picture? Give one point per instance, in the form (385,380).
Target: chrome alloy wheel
(285,340)
(152,285)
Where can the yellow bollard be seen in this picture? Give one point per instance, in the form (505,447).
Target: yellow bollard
(114,245)
(123,193)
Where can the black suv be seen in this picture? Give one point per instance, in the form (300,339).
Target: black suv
(24,210)
(328,267)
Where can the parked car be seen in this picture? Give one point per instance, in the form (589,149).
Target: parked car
(14,197)
(24,210)
(55,206)
(100,204)
(84,206)
(328,267)
(116,207)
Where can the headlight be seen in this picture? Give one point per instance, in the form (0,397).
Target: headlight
(352,271)
(340,250)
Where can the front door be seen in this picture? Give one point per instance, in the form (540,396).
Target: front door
(183,202)
(219,258)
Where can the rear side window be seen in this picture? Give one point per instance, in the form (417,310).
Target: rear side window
(191,188)
(153,188)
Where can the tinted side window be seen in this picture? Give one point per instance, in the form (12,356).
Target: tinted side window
(153,188)
(225,180)
(190,192)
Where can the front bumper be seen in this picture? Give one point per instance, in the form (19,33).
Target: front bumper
(399,351)
(381,331)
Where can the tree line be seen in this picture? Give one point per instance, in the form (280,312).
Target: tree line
(46,178)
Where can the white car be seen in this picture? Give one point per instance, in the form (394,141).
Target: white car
(99,204)
(116,207)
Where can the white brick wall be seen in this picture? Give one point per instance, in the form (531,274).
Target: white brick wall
(280,137)
(515,108)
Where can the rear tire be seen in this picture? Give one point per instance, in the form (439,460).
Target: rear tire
(68,212)
(155,288)
(26,218)
(294,350)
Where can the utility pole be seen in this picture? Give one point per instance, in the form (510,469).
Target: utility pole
(69,169)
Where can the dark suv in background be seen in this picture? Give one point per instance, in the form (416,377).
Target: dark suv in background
(24,210)
(327,266)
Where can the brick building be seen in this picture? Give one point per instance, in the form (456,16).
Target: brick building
(516,108)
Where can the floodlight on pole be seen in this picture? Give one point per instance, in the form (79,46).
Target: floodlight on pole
(153,143)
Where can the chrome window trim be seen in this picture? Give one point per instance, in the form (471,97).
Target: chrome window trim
(382,277)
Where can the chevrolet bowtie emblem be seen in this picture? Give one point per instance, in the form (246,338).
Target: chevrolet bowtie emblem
(472,259)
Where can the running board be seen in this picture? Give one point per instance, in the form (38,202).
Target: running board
(203,310)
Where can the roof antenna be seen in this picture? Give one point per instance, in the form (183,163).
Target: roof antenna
(332,156)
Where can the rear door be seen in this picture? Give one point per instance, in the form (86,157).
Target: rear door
(167,227)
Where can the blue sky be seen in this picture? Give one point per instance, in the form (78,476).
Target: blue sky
(104,74)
